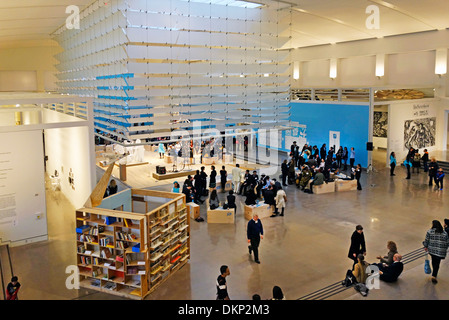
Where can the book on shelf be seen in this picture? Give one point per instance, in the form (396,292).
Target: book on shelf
(132,270)
(81,249)
(121,244)
(106,253)
(95,283)
(104,242)
(128,222)
(82,229)
(110,220)
(85,260)
(119,258)
(136,248)
(97,273)
(110,286)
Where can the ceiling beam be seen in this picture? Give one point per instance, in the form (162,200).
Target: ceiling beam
(403,11)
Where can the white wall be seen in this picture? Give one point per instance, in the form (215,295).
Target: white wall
(28,67)
(398,113)
(22,183)
(69,148)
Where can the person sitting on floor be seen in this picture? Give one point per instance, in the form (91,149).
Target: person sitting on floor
(391,273)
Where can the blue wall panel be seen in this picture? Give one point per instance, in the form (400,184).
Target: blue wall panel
(352,121)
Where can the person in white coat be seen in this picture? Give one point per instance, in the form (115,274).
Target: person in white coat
(281,199)
(236,177)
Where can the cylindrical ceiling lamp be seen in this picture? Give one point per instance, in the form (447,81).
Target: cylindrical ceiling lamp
(296,70)
(380,65)
(441,61)
(333,68)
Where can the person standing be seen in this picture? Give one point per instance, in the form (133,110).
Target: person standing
(439,179)
(358,245)
(425,160)
(284,172)
(291,172)
(345,156)
(12,289)
(203,176)
(352,157)
(407,164)
(213,178)
(281,199)
(436,244)
(254,234)
(416,161)
(161,150)
(293,148)
(236,173)
(433,168)
(339,156)
(222,287)
(392,163)
(176,188)
(358,175)
(223,178)
(323,151)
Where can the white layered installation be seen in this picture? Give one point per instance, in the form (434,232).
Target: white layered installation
(157,66)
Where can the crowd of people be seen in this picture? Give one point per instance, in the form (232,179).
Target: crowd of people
(312,166)
(415,161)
(307,168)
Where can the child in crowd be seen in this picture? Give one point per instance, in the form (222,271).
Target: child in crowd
(439,178)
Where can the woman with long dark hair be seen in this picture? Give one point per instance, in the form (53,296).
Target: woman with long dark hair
(436,244)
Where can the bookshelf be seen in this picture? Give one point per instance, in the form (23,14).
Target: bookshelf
(130,254)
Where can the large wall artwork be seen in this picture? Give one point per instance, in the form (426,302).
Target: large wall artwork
(419,133)
(380,124)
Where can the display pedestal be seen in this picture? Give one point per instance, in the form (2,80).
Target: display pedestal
(219,215)
(168,159)
(193,209)
(210,161)
(345,185)
(324,188)
(262,210)
(228,186)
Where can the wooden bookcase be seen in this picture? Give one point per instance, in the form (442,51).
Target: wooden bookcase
(168,235)
(128,253)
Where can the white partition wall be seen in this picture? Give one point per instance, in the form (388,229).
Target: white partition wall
(32,127)
(151,65)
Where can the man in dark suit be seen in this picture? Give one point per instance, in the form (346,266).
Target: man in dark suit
(358,245)
(391,273)
(254,234)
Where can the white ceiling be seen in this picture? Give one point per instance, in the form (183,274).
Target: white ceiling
(314,22)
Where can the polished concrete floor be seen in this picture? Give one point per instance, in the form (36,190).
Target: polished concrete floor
(302,252)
